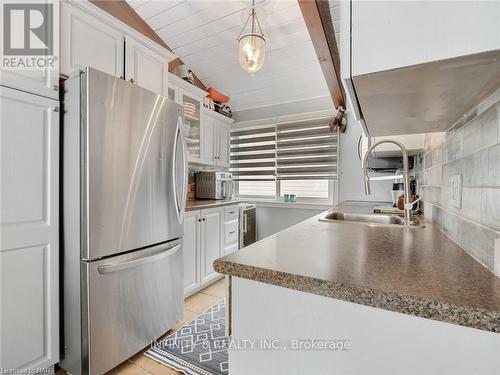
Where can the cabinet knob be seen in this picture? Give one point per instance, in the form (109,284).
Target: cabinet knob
(55,88)
(203,219)
(199,220)
(121,77)
(56,109)
(132,80)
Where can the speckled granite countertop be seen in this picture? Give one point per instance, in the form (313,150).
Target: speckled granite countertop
(206,203)
(415,271)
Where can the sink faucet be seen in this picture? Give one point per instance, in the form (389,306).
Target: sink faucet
(408,206)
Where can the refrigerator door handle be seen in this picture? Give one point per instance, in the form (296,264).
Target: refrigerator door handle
(245,223)
(180,202)
(108,268)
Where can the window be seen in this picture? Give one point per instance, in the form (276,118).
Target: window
(298,157)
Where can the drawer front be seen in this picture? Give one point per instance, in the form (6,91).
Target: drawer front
(231,232)
(230,213)
(132,299)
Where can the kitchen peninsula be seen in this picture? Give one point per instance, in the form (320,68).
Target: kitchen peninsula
(426,304)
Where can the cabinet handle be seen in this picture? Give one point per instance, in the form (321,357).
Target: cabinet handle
(231,212)
(232,232)
(55,88)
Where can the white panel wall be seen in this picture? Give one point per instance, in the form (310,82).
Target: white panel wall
(351,174)
(271,220)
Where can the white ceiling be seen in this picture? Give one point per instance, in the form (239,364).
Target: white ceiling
(203,34)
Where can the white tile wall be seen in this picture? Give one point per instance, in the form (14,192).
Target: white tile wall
(471,148)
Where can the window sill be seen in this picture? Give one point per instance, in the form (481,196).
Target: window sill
(280,204)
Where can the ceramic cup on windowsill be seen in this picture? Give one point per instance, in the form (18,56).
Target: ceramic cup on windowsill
(289,198)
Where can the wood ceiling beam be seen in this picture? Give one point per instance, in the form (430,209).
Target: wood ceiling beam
(316,14)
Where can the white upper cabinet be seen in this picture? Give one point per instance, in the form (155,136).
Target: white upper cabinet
(207,132)
(216,135)
(145,67)
(224,139)
(417,67)
(89,41)
(29,230)
(43,82)
(393,34)
(208,137)
(92,37)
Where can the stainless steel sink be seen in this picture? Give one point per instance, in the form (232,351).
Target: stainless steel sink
(366,218)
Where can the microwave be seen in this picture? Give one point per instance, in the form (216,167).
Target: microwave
(214,185)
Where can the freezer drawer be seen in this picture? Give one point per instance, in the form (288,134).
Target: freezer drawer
(132,299)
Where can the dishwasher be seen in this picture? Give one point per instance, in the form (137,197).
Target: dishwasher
(248,233)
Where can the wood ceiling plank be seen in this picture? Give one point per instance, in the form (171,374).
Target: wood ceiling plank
(178,14)
(280,58)
(284,35)
(204,17)
(156,7)
(317,18)
(232,24)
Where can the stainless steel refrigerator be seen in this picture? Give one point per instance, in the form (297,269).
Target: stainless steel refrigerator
(124,192)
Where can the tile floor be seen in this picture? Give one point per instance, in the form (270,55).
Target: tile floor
(198,303)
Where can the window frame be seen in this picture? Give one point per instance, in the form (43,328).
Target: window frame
(332,183)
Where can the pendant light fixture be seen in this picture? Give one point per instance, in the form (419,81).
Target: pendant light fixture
(252,45)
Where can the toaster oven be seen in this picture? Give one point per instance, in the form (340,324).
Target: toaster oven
(214,185)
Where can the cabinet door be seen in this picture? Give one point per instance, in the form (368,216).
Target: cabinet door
(211,242)
(191,251)
(87,41)
(145,67)
(389,35)
(29,223)
(44,81)
(192,121)
(223,141)
(208,137)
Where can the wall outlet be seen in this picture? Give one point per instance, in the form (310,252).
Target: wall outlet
(456,191)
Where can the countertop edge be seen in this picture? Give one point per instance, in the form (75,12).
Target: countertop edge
(211,204)
(466,316)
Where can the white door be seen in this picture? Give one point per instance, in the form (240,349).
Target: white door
(29,223)
(211,242)
(224,139)
(207,139)
(87,41)
(145,67)
(191,251)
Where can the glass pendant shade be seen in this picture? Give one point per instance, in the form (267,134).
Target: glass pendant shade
(252,52)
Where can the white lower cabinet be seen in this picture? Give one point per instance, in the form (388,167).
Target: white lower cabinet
(191,251)
(203,243)
(231,229)
(29,224)
(211,242)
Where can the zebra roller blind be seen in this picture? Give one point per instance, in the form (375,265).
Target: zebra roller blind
(298,150)
(306,150)
(253,153)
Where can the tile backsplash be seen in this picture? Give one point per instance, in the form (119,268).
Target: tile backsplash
(471,149)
